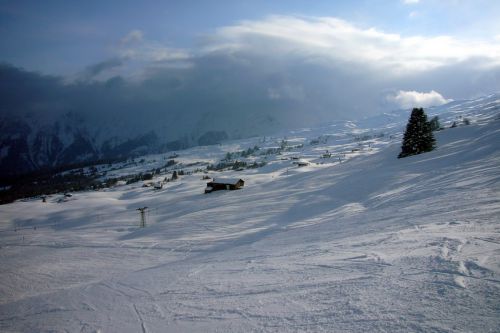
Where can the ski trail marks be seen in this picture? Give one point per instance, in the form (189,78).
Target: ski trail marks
(139,317)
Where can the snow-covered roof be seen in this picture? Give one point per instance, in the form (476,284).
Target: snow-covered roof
(231,181)
(301,162)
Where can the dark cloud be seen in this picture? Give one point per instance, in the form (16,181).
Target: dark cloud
(96,69)
(22,91)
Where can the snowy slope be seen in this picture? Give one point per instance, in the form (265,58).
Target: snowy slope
(371,244)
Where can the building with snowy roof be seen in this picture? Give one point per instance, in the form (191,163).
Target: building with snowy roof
(224,184)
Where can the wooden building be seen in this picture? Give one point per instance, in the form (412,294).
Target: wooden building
(224,184)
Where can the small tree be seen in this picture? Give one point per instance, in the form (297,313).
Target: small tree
(174,175)
(435,125)
(147,176)
(418,137)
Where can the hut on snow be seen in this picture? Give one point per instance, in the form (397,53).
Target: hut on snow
(301,163)
(224,184)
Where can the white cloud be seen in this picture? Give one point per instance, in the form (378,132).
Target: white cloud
(155,53)
(134,48)
(331,40)
(133,36)
(411,99)
(410,2)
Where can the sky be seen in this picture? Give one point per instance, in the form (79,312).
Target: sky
(319,56)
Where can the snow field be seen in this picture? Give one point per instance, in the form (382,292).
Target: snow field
(372,244)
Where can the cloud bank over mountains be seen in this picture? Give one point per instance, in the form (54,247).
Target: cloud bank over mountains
(322,68)
(324,64)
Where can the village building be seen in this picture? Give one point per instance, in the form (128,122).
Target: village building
(301,163)
(224,184)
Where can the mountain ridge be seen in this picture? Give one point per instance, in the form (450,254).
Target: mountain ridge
(29,143)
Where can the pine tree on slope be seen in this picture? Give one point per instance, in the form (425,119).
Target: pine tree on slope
(435,125)
(418,137)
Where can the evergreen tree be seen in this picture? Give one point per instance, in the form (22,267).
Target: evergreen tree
(418,137)
(174,175)
(435,125)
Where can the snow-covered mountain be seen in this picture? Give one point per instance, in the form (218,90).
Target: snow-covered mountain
(47,122)
(355,241)
(30,142)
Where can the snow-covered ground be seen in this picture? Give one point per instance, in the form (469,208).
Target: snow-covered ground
(367,243)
